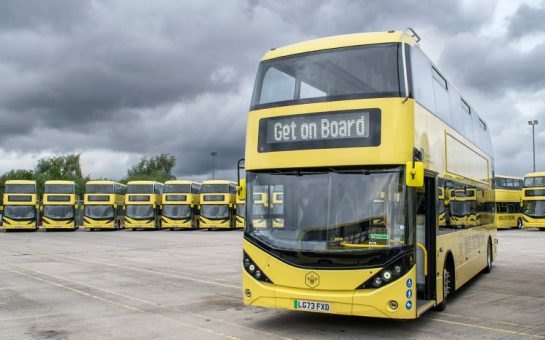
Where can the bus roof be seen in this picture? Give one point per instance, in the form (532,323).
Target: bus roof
(181,181)
(536,174)
(103,182)
(339,41)
(20,181)
(60,182)
(143,182)
(217,181)
(502,176)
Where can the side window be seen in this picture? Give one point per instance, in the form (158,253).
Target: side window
(422,79)
(468,120)
(440,93)
(457,113)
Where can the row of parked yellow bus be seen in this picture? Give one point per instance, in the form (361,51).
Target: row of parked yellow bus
(176,204)
(517,203)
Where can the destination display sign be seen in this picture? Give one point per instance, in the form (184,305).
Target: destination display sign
(338,129)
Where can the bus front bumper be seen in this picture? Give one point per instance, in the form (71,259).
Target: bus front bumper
(54,224)
(9,224)
(169,223)
(140,224)
(361,302)
(98,224)
(215,224)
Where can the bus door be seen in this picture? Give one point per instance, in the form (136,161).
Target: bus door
(426,232)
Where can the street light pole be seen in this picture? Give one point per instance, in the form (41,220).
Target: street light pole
(213,154)
(533,123)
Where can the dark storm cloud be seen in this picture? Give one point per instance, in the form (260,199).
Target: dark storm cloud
(494,66)
(140,78)
(326,17)
(527,20)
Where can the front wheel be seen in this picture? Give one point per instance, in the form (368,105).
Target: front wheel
(489,259)
(447,284)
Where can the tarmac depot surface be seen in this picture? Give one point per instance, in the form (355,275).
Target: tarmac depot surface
(187,284)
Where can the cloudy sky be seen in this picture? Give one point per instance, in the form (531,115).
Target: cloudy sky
(118,80)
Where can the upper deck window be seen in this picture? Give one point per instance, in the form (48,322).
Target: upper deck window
(60,189)
(439,78)
(99,189)
(534,182)
(20,189)
(177,188)
(140,189)
(215,188)
(465,106)
(369,71)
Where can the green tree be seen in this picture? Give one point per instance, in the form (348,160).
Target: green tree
(157,168)
(67,167)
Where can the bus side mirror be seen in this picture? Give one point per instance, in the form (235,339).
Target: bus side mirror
(414,174)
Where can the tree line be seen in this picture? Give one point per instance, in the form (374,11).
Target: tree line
(68,167)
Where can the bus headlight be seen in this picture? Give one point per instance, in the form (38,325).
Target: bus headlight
(253,269)
(391,272)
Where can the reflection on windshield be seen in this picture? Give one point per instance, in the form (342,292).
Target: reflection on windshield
(140,211)
(330,212)
(534,208)
(59,212)
(177,211)
(20,212)
(99,212)
(215,211)
(462,208)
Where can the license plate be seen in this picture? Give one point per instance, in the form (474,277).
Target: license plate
(314,306)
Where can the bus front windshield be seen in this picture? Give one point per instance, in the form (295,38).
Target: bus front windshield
(534,208)
(241,207)
(20,212)
(59,212)
(99,211)
(333,218)
(140,211)
(177,210)
(462,208)
(215,211)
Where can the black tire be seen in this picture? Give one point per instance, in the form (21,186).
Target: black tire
(519,224)
(133,229)
(447,287)
(542,229)
(489,258)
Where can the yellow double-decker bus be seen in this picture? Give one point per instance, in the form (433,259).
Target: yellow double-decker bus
(180,205)
(355,132)
(533,201)
(60,206)
(104,205)
(21,207)
(143,205)
(508,194)
(240,209)
(217,208)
